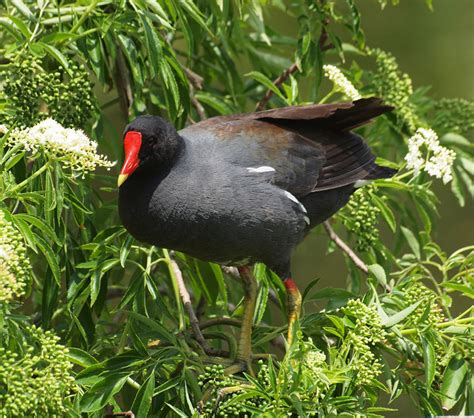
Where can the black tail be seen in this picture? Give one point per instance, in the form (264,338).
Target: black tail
(361,113)
(379,172)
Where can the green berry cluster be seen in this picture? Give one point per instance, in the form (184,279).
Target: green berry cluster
(36,379)
(428,311)
(33,93)
(219,405)
(394,86)
(360,216)
(454,115)
(367,332)
(14,264)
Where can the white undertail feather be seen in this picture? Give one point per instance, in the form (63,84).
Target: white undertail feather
(294,199)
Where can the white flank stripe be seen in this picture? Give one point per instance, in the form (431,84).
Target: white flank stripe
(291,197)
(262,169)
(306,219)
(294,199)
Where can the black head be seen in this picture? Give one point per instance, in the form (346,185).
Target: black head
(150,142)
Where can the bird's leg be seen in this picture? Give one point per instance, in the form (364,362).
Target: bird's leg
(244,349)
(293,305)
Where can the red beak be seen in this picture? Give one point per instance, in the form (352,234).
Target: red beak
(131,144)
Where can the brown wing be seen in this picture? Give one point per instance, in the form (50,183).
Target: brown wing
(309,146)
(348,157)
(248,143)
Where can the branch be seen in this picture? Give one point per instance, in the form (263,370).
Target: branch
(193,321)
(122,81)
(294,67)
(195,83)
(278,82)
(197,104)
(345,248)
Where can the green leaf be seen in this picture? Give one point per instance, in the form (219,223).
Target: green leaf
(102,392)
(429,358)
(379,273)
(125,250)
(465,290)
(263,79)
(25,31)
(51,258)
(452,138)
(217,103)
(386,212)
(57,55)
(41,225)
(80,357)
(22,8)
(154,47)
(399,316)
(25,230)
(412,241)
(160,330)
(74,201)
(142,402)
(453,382)
(196,14)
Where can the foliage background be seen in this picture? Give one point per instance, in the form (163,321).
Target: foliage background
(73,283)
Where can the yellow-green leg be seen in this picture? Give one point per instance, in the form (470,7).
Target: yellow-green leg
(293,304)
(244,349)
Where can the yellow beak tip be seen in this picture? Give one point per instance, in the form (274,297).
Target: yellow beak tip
(121,179)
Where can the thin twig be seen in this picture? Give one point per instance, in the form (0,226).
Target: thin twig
(220,321)
(195,79)
(345,248)
(120,414)
(193,321)
(122,80)
(278,81)
(294,67)
(195,83)
(197,104)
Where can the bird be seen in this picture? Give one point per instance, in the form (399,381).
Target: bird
(246,188)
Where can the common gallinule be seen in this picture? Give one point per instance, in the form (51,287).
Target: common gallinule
(245,188)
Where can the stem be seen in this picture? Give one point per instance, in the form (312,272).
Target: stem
(133,383)
(35,30)
(278,82)
(25,182)
(84,16)
(441,325)
(174,281)
(186,300)
(345,248)
(325,98)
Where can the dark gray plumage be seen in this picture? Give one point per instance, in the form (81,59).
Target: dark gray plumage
(209,190)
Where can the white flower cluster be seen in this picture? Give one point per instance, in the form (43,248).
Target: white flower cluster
(14,265)
(70,146)
(440,161)
(341,83)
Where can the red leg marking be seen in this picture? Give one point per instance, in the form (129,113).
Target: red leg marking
(290,284)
